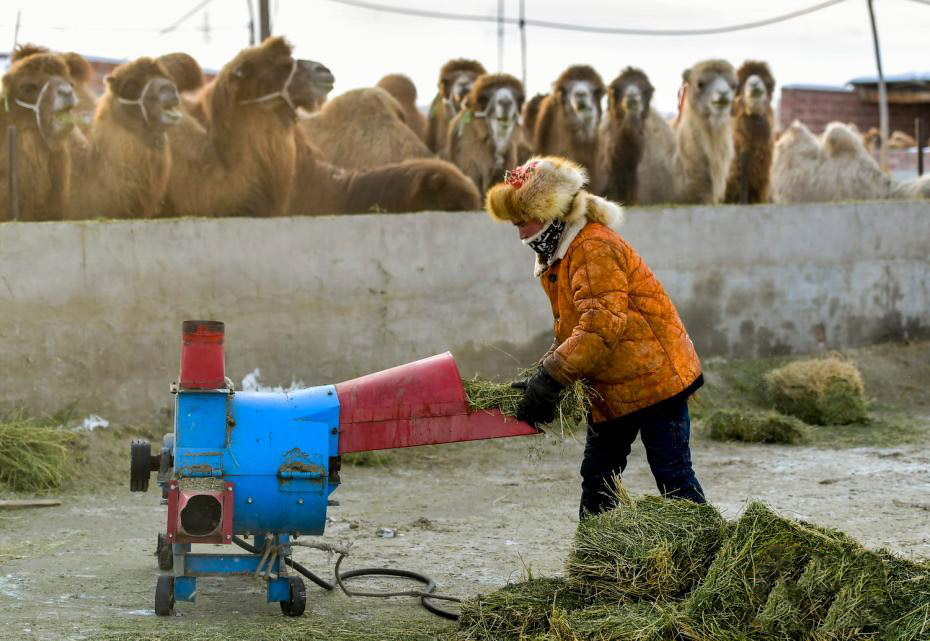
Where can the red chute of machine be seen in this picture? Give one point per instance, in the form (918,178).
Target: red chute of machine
(420,403)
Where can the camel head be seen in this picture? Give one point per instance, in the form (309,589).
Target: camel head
(143,97)
(580,89)
(629,95)
(711,89)
(456,79)
(311,84)
(38,95)
(756,86)
(262,78)
(498,98)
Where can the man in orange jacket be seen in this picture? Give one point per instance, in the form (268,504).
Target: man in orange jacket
(614,326)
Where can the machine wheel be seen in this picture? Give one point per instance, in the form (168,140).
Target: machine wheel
(295,606)
(165,553)
(164,596)
(140,457)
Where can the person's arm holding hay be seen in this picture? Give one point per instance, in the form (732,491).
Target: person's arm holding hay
(615,328)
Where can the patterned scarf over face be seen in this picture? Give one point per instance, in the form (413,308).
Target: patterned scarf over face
(546,240)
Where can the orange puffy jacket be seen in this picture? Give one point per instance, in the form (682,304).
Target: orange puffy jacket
(615,326)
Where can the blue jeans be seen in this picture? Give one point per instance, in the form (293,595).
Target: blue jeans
(665,429)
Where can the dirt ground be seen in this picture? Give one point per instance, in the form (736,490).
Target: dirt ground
(472,516)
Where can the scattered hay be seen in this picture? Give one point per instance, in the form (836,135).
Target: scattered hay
(753,426)
(571,413)
(375,458)
(648,547)
(826,391)
(639,621)
(762,549)
(517,611)
(34,456)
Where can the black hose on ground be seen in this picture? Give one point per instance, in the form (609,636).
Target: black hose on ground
(424,595)
(323,583)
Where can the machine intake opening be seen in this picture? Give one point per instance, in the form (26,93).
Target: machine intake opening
(202,515)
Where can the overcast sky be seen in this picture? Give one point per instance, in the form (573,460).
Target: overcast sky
(830,46)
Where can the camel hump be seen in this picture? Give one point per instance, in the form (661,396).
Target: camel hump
(184,70)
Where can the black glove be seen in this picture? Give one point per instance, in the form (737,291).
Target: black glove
(540,397)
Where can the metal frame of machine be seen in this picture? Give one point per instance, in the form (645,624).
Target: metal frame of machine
(263,464)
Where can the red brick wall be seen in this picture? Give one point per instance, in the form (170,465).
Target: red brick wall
(818,107)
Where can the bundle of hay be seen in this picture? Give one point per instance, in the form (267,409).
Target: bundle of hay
(517,611)
(34,456)
(648,547)
(571,414)
(763,549)
(753,426)
(826,391)
(640,621)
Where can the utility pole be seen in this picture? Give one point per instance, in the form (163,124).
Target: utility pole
(264,19)
(500,36)
(882,95)
(251,23)
(523,41)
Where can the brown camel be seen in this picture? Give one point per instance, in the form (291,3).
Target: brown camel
(623,136)
(244,161)
(405,92)
(483,136)
(38,99)
(420,184)
(363,128)
(81,74)
(753,133)
(569,117)
(455,80)
(122,171)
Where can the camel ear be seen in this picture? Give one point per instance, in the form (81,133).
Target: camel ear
(436,181)
(685,76)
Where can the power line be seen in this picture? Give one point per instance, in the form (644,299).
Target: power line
(177,23)
(546,24)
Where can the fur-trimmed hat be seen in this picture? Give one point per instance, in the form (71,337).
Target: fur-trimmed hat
(548,188)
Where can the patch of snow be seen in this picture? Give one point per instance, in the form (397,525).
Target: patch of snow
(252,382)
(92,422)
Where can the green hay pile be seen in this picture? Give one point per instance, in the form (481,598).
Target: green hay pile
(517,611)
(753,426)
(640,621)
(648,547)
(762,551)
(571,413)
(34,457)
(825,391)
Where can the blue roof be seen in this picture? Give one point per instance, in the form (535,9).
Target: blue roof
(909,77)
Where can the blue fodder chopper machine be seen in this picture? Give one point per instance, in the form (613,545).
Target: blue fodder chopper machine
(264,464)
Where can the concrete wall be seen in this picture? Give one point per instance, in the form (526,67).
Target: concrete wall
(90,312)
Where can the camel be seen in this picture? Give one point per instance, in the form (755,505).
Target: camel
(455,80)
(753,133)
(39,100)
(896,140)
(569,117)
(363,128)
(623,136)
(405,92)
(419,184)
(81,74)
(837,167)
(122,170)
(690,163)
(244,161)
(483,136)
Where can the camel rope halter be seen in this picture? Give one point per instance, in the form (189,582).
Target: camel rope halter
(284,92)
(139,101)
(34,107)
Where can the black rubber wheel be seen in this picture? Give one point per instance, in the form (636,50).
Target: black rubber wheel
(295,606)
(164,596)
(165,553)
(140,457)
